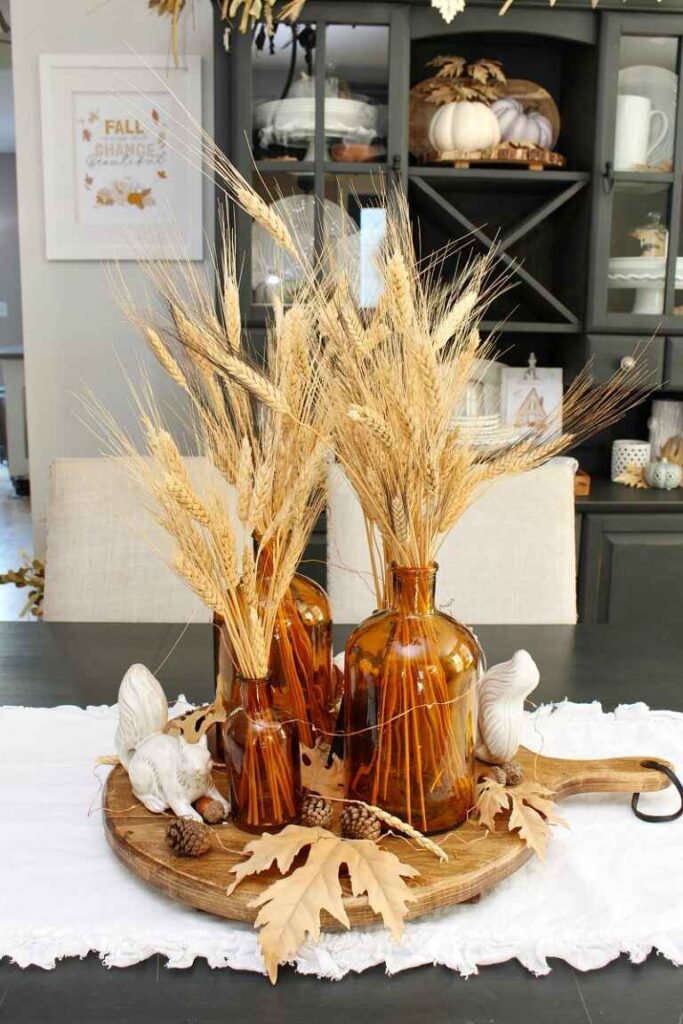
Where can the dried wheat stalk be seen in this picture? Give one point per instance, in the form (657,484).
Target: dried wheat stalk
(262,427)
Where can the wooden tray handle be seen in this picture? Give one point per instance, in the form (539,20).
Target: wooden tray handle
(611,775)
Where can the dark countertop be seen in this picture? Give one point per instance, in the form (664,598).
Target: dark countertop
(608,497)
(82,663)
(52,663)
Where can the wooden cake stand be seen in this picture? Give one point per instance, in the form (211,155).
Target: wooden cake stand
(138,837)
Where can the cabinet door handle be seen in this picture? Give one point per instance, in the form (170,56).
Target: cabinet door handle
(627,362)
(608,177)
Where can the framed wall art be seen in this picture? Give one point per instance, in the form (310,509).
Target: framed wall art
(532,396)
(119,180)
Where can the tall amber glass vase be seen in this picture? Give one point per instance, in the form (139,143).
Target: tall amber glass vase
(261,748)
(301,657)
(410,708)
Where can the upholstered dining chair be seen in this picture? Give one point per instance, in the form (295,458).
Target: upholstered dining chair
(106,558)
(509,559)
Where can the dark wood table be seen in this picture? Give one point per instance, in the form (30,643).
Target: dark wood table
(60,663)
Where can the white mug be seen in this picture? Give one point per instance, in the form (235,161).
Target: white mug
(635,122)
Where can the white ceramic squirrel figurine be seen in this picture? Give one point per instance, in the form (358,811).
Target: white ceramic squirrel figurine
(502,691)
(164,771)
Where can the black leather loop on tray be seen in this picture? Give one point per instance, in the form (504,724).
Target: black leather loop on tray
(675,781)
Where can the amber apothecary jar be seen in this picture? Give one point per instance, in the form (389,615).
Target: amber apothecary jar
(410,708)
(305,683)
(261,749)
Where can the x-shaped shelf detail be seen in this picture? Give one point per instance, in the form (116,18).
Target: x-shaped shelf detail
(503,243)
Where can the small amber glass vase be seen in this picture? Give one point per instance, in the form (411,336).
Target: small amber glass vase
(410,708)
(261,749)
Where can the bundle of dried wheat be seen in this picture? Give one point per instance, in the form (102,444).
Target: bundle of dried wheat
(394,381)
(393,376)
(263,430)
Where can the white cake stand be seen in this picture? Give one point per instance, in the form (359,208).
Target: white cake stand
(646,276)
(291,122)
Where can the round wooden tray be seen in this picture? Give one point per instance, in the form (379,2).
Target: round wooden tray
(138,837)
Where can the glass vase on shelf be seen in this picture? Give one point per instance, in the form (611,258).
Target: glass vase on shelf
(262,761)
(410,708)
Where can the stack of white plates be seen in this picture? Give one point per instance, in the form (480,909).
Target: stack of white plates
(485,431)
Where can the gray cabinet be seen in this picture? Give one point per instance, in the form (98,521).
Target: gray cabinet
(562,236)
(631,568)
(610,352)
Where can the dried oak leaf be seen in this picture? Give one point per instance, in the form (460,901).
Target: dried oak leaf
(449,67)
(483,70)
(319,774)
(632,476)
(280,848)
(532,810)
(532,814)
(290,908)
(491,799)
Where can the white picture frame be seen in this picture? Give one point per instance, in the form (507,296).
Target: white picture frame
(119,181)
(531,396)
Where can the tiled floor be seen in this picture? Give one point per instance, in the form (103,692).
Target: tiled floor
(15,538)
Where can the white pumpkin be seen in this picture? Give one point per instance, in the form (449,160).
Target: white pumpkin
(463,127)
(518,126)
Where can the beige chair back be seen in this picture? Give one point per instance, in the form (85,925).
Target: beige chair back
(510,559)
(107,560)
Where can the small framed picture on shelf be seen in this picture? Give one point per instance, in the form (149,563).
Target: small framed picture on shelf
(532,396)
(120,172)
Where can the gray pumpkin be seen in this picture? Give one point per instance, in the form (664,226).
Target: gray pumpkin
(663,475)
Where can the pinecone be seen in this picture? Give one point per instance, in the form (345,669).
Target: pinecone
(514,773)
(358,822)
(493,771)
(316,810)
(188,838)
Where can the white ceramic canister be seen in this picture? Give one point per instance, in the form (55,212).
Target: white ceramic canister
(628,452)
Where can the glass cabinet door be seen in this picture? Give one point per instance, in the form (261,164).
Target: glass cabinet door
(637,233)
(322,149)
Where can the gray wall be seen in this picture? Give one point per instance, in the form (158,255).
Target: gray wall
(75,337)
(10,288)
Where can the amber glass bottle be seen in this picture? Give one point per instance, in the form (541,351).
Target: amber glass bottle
(301,657)
(261,748)
(410,708)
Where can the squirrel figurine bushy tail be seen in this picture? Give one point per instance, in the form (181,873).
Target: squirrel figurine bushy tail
(165,771)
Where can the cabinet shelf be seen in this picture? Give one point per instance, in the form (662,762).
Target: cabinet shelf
(497,175)
(329,167)
(645,177)
(530,327)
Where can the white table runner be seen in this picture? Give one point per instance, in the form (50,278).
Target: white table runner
(610,885)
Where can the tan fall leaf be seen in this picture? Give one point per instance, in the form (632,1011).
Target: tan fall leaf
(196,724)
(632,476)
(290,908)
(380,874)
(316,776)
(491,799)
(532,814)
(280,848)
(449,67)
